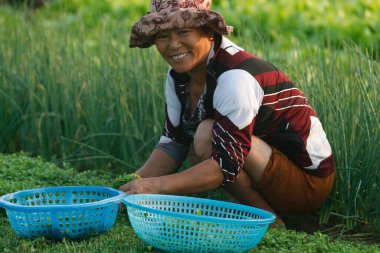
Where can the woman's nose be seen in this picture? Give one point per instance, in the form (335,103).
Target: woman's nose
(174,41)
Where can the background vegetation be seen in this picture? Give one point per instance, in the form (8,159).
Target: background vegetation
(121,237)
(73,92)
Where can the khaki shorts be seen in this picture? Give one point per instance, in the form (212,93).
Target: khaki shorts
(290,190)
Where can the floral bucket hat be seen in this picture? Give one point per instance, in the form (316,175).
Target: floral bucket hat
(170,14)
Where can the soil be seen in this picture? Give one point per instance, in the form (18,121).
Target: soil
(364,233)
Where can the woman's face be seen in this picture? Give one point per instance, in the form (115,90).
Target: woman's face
(185,49)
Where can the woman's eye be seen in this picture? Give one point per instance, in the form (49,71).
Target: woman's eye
(184,31)
(161,36)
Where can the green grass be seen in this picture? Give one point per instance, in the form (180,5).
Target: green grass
(121,238)
(73,92)
(81,98)
(35,172)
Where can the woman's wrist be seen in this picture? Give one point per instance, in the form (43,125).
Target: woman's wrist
(156,185)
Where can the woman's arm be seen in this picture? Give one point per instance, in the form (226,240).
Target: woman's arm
(202,177)
(158,164)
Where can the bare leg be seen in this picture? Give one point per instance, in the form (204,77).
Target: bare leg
(244,193)
(257,159)
(201,147)
(256,162)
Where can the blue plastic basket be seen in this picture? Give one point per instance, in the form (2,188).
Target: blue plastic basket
(188,224)
(74,212)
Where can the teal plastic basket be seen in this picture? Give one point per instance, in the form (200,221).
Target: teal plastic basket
(189,224)
(73,212)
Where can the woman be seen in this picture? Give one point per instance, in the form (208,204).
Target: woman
(241,122)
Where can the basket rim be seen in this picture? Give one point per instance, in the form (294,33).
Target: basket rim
(269,217)
(4,200)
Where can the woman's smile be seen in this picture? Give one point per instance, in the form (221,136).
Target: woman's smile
(179,57)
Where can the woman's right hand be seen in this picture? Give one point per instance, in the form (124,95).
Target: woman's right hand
(142,185)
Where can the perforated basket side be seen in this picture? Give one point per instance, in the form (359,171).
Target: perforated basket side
(70,224)
(185,224)
(185,235)
(52,212)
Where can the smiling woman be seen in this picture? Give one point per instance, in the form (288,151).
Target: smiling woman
(185,49)
(240,121)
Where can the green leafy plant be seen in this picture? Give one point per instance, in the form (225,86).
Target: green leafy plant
(20,172)
(124,178)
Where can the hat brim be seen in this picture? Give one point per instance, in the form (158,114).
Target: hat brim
(145,29)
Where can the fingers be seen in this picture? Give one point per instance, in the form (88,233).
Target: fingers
(136,186)
(130,187)
(125,187)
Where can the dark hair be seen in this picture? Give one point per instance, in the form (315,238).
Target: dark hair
(207,30)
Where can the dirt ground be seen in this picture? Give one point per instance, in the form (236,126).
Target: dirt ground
(310,224)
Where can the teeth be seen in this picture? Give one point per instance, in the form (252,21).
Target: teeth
(179,56)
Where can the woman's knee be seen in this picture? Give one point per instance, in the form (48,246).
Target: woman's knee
(203,139)
(257,158)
